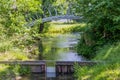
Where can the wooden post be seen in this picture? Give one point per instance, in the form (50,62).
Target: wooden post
(41,27)
(64,67)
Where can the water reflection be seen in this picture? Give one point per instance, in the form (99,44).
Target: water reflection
(59,47)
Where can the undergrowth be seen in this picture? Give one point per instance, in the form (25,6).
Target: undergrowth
(108,69)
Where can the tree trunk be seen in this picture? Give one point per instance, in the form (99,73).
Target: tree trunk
(41,27)
(40,46)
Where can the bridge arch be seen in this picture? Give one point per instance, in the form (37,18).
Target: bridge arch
(53,12)
(60,17)
(51,18)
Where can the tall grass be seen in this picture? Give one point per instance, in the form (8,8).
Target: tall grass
(5,46)
(108,70)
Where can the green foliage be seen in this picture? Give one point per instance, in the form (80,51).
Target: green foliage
(86,50)
(8,72)
(86,44)
(99,72)
(13,14)
(20,70)
(103,20)
(109,53)
(12,19)
(15,37)
(5,46)
(102,15)
(98,40)
(108,69)
(5,72)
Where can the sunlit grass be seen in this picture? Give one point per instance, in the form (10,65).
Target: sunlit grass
(3,67)
(11,55)
(5,46)
(9,52)
(64,28)
(109,52)
(109,75)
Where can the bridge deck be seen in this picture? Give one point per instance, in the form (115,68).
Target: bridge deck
(82,63)
(23,62)
(58,17)
(61,17)
(67,67)
(40,62)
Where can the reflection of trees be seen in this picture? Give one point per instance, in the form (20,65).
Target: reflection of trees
(40,46)
(51,48)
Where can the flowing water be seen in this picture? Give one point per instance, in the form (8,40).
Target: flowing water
(61,47)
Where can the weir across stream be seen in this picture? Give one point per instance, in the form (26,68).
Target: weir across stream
(61,67)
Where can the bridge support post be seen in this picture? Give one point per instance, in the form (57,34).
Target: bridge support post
(41,27)
(64,67)
(38,68)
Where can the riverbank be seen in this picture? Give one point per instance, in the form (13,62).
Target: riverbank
(14,48)
(56,28)
(109,54)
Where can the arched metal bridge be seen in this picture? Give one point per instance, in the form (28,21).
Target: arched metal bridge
(48,19)
(54,13)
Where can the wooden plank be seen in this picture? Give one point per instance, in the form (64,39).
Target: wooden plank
(35,66)
(23,62)
(64,67)
(73,62)
(67,67)
(38,69)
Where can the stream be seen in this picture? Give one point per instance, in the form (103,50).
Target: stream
(61,47)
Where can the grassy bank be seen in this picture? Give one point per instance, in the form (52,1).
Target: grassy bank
(55,27)
(18,46)
(108,70)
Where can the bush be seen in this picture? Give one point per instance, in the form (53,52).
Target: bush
(108,69)
(5,46)
(21,70)
(103,26)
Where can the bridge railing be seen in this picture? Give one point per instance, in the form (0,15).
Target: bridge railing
(53,12)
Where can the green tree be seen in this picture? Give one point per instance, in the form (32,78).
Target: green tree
(102,17)
(13,13)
